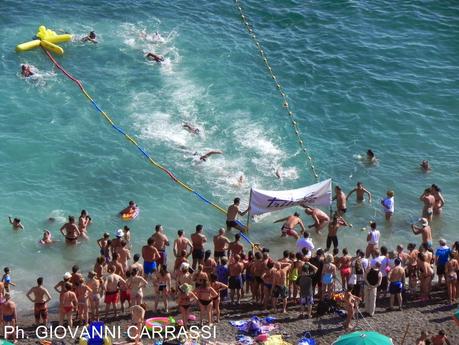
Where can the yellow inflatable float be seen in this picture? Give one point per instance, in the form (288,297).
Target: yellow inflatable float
(47,39)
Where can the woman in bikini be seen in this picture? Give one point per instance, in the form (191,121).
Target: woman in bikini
(345,268)
(184,298)
(205,296)
(451,277)
(199,276)
(328,276)
(82,292)
(83,222)
(136,285)
(162,285)
(94,299)
(217,286)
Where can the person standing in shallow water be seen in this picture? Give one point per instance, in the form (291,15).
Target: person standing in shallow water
(71,233)
(360,192)
(439,200)
(340,198)
(389,205)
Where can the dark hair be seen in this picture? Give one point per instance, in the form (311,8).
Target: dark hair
(384,250)
(71,219)
(128,274)
(17,220)
(68,286)
(299,256)
(237,200)
(305,234)
(370,153)
(40,281)
(131,203)
(258,255)
(123,243)
(136,257)
(126,228)
(134,271)
(373,225)
(75,268)
(199,227)
(237,237)
(92,34)
(397,261)
(150,241)
(6,270)
(286,253)
(180,233)
(296,214)
(335,251)
(345,251)
(157,227)
(270,264)
(305,251)
(207,254)
(83,212)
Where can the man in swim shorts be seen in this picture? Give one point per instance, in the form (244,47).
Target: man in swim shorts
(160,242)
(424,230)
(111,287)
(290,222)
(41,297)
(150,255)
(340,198)
(280,288)
(397,280)
(71,233)
(231,216)
(360,192)
(182,243)
(235,270)
(198,239)
(221,243)
(8,311)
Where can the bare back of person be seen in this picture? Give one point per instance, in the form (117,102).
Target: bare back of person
(233,212)
(220,243)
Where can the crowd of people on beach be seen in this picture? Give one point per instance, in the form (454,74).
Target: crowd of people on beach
(206,278)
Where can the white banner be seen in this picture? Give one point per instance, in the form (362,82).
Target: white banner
(263,201)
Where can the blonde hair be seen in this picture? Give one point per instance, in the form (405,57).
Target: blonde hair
(390,193)
(328,258)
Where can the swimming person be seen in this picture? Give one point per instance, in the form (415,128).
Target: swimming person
(154,57)
(210,153)
(360,192)
(425,166)
(290,222)
(231,216)
(46,238)
(371,158)
(190,128)
(132,207)
(26,71)
(90,37)
(16,223)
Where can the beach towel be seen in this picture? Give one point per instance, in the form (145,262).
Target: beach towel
(254,326)
(276,340)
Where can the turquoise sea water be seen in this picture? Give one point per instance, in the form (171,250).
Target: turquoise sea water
(358,75)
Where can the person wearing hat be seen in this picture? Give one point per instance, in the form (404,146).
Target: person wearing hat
(441,259)
(116,242)
(184,299)
(424,230)
(59,287)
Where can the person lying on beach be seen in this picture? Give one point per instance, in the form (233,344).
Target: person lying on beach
(91,37)
(154,57)
(290,222)
(130,209)
(190,128)
(26,71)
(425,165)
(210,153)
(360,192)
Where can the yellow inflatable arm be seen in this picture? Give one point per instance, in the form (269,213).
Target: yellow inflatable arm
(45,38)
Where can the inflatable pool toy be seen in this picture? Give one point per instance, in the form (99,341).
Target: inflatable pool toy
(45,38)
(131,215)
(4,342)
(159,322)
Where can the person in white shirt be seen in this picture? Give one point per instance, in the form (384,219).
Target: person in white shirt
(388,205)
(372,239)
(304,242)
(383,260)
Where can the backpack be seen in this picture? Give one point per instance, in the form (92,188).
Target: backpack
(373,277)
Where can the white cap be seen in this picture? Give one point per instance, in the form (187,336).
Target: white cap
(119,233)
(67,275)
(424,221)
(184,266)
